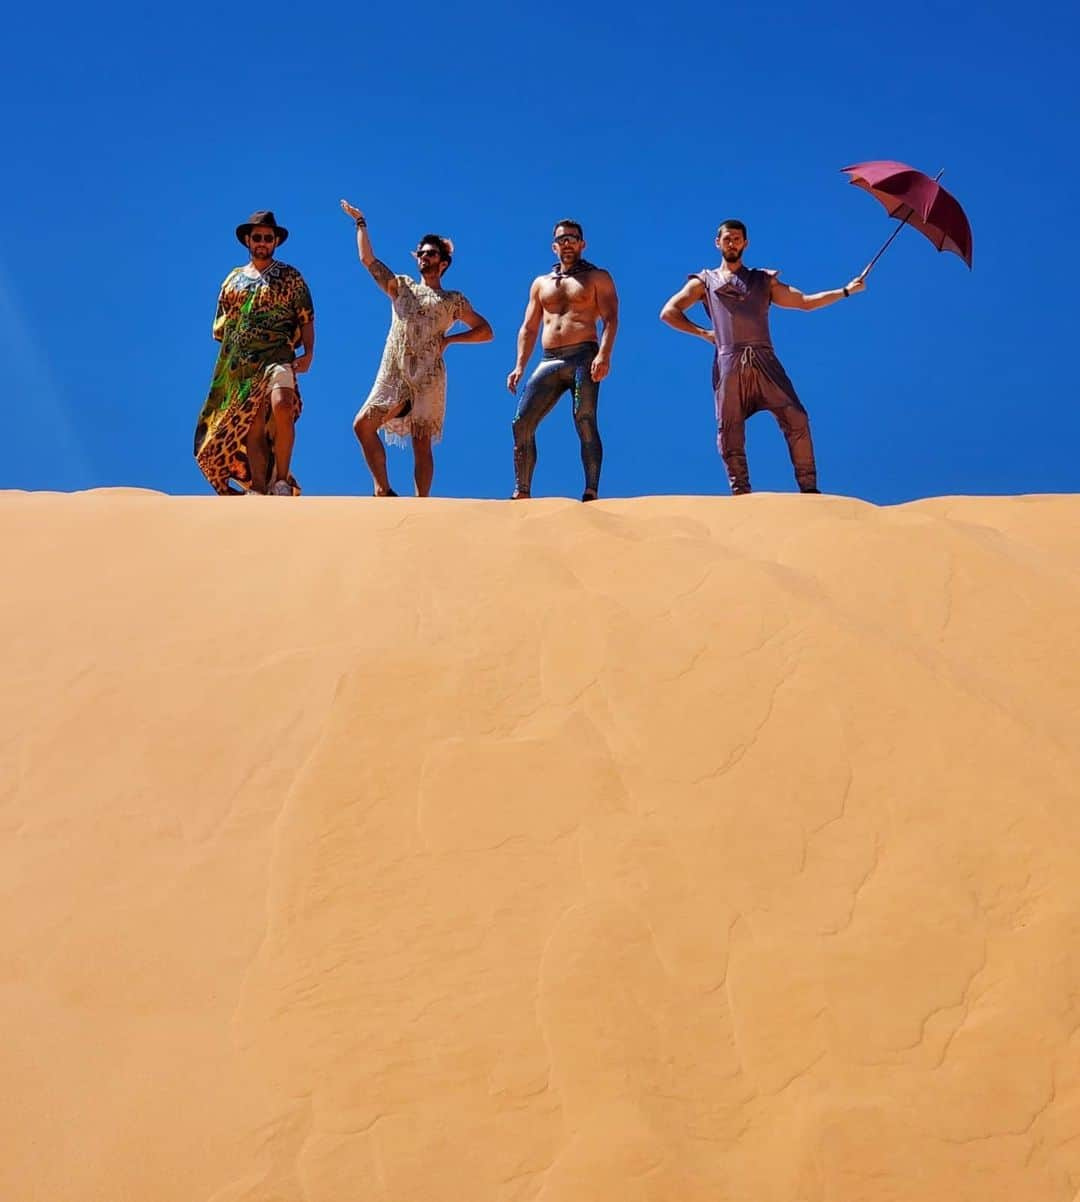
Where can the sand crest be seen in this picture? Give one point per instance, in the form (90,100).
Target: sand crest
(662,850)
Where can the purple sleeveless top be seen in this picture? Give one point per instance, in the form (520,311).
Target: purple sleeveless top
(738,307)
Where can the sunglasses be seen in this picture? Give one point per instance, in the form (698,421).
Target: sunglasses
(566,239)
(427,254)
(263,237)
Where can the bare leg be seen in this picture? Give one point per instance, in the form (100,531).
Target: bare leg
(366,429)
(423,464)
(283,402)
(258,452)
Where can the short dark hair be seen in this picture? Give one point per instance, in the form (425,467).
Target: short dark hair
(441,245)
(566,223)
(731,224)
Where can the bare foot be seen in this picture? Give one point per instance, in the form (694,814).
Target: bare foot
(518,495)
(589,494)
(388,492)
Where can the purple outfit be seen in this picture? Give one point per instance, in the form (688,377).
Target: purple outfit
(747,376)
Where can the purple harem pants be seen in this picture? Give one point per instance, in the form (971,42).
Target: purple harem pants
(747,379)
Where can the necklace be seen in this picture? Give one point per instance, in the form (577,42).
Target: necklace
(260,276)
(580,266)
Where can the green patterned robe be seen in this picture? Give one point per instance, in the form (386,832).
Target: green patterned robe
(259,321)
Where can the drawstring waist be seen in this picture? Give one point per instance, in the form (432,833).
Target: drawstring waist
(746,352)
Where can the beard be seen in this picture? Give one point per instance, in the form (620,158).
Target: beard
(731,256)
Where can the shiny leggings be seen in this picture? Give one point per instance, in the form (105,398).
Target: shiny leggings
(562,368)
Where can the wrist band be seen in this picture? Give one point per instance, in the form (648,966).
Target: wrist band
(846,293)
(361,223)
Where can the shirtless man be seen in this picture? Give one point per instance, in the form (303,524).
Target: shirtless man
(570,300)
(747,375)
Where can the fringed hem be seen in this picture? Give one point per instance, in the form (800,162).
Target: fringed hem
(402,438)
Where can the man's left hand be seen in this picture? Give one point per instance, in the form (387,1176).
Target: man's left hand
(600,368)
(856,285)
(302,363)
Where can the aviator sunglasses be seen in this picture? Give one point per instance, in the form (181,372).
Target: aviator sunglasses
(263,237)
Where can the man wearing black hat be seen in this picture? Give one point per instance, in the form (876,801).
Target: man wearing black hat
(264,314)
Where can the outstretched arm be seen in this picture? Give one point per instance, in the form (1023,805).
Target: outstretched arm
(530,327)
(674,311)
(607,305)
(787,297)
(478,329)
(380,273)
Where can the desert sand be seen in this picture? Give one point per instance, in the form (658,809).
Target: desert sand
(671,849)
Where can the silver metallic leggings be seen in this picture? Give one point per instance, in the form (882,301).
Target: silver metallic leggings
(562,368)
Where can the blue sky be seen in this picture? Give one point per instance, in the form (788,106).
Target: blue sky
(137,138)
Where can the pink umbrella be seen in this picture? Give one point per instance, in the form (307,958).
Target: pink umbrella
(917,200)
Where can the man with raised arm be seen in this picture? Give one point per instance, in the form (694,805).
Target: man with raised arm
(570,300)
(747,375)
(245,430)
(408,399)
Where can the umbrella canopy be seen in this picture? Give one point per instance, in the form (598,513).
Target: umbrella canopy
(916,200)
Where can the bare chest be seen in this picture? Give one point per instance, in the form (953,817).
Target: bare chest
(568,294)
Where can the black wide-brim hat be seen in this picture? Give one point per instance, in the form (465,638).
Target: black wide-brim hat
(261,217)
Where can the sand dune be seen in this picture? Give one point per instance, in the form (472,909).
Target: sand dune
(659,850)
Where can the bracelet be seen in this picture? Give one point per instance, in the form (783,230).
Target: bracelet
(845,291)
(361,223)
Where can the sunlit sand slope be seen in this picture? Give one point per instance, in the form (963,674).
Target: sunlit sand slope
(660,850)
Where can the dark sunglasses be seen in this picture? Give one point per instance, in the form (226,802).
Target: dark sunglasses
(428,254)
(263,237)
(566,239)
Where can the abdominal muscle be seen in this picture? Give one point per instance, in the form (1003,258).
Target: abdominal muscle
(567,329)
(569,312)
